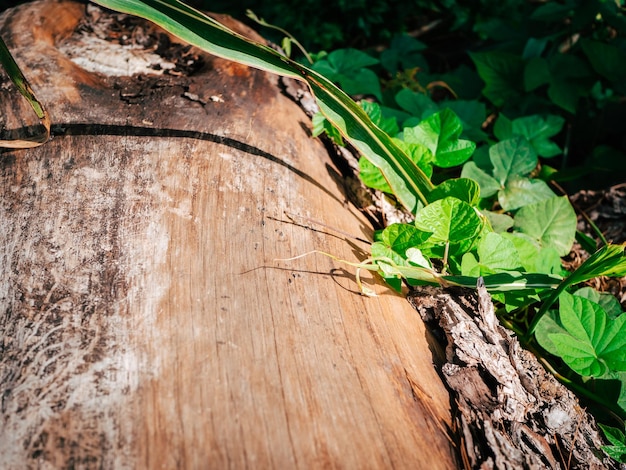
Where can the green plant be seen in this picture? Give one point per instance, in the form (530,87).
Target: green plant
(617,449)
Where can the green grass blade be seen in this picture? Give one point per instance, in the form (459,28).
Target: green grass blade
(18,79)
(407,180)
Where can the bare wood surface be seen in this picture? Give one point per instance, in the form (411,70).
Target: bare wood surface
(144,321)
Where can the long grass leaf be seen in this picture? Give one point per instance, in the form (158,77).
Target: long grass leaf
(22,85)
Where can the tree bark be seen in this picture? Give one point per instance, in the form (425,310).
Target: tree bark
(145,320)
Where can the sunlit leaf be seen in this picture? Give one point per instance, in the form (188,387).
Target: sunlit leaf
(551,222)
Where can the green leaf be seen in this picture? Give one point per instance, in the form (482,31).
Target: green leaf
(495,253)
(488,185)
(347,67)
(465,189)
(440,133)
(606,59)
(322,125)
(401,237)
(403,53)
(503,128)
(534,258)
(608,302)
(551,222)
(394,243)
(386,270)
(419,154)
(416,104)
(564,94)
(536,73)
(499,222)
(548,261)
(592,344)
(372,177)
(19,80)
(520,192)
(388,125)
(512,157)
(408,182)
(451,221)
(472,114)
(502,73)
(538,130)
(609,260)
(617,450)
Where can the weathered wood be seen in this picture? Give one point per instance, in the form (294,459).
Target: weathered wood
(512,413)
(145,323)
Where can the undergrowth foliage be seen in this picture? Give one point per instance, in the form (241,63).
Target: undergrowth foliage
(480,195)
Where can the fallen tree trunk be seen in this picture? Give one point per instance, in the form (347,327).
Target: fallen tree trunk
(145,322)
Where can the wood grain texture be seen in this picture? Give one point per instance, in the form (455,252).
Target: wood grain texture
(145,322)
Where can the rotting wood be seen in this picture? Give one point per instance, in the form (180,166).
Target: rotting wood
(144,322)
(511,413)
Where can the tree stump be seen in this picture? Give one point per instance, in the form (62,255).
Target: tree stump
(145,322)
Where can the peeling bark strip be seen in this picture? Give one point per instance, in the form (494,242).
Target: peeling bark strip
(143,321)
(511,413)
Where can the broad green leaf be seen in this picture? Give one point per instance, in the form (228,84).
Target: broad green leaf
(613,435)
(606,59)
(401,237)
(499,222)
(416,104)
(534,258)
(535,47)
(538,130)
(347,67)
(22,85)
(564,94)
(592,344)
(608,302)
(551,222)
(578,354)
(394,242)
(416,257)
(498,253)
(502,73)
(408,182)
(495,254)
(404,52)
(617,449)
(536,73)
(488,185)
(440,133)
(548,261)
(547,327)
(419,154)
(512,157)
(503,128)
(472,114)
(451,221)
(465,189)
(520,191)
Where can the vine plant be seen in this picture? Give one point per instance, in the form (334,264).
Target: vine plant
(498,221)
